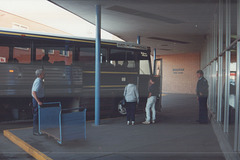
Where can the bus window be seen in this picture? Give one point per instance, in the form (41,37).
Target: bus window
(87,55)
(144,64)
(22,55)
(42,56)
(144,67)
(122,59)
(60,57)
(39,54)
(4,54)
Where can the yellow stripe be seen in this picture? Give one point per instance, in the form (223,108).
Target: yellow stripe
(104,72)
(25,146)
(57,38)
(105,86)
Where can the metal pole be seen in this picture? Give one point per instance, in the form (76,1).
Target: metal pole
(236,136)
(138,39)
(154,61)
(220,48)
(237,120)
(215,65)
(97,64)
(227,70)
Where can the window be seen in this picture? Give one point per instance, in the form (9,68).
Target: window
(50,51)
(88,55)
(144,64)
(60,56)
(144,67)
(64,53)
(22,55)
(42,57)
(4,54)
(54,55)
(122,59)
(39,54)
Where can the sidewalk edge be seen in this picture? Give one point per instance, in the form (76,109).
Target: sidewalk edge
(25,146)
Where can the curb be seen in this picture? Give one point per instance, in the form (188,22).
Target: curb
(25,146)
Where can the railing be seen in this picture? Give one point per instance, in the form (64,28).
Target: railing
(62,124)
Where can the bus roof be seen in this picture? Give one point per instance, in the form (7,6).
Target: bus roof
(33,34)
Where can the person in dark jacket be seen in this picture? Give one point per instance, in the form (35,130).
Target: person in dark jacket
(202,96)
(152,98)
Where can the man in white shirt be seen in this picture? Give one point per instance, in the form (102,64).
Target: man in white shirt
(38,96)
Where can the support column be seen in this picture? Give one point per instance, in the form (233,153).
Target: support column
(237,120)
(138,39)
(97,64)
(227,63)
(215,66)
(154,61)
(220,60)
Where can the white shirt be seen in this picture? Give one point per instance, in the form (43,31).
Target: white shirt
(131,93)
(38,87)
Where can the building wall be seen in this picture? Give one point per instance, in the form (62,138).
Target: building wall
(179,73)
(8,20)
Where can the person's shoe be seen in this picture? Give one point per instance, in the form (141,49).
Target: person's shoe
(133,123)
(128,122)
(153,122)
(36,134)
(146,122)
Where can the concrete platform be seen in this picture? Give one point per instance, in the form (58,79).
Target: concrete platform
(175,136)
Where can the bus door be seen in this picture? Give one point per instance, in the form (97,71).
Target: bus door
(158,73)
(144,75)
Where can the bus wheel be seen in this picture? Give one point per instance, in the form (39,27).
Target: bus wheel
(122,109)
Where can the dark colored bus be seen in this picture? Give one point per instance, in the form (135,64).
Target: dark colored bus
(69,66)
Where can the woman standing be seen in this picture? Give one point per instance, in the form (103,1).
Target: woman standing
(132,99)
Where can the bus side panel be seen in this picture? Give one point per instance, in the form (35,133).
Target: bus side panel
(112,83)
(63,81)
(16,80)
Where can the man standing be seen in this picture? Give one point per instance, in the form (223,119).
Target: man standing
(38,96)
(202,95)
(152,97)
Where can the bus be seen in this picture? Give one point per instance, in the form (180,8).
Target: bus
(69,64)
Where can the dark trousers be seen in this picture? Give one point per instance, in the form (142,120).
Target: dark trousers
(35,115)
(131,109)
(203,112)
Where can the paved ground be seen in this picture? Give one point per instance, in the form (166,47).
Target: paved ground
(175,136)
(8,150)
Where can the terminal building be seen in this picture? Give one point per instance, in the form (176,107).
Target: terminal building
(171,40)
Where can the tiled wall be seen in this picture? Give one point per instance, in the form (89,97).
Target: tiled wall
(179,73)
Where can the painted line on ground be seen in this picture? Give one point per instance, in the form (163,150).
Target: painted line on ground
(25,146)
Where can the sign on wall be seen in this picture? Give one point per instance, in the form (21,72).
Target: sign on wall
(178,70)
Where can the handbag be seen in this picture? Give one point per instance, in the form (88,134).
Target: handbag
(123,102)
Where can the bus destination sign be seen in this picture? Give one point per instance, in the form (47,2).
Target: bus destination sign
(131,45)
